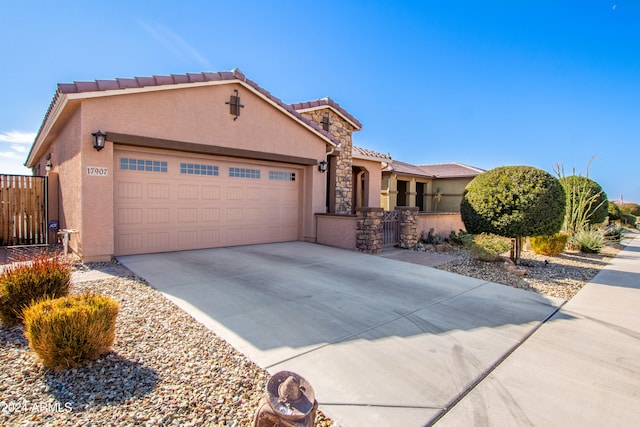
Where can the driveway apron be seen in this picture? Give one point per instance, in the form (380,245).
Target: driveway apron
(382,342)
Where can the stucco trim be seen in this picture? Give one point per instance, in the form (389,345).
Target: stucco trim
(190,147)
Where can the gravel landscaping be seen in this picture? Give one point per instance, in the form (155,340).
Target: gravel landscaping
(560,276)
(167,369)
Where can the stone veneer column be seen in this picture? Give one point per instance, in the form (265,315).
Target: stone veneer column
(341,130)
(408,226)
(369,230)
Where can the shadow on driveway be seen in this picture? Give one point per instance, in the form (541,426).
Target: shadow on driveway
(374,336)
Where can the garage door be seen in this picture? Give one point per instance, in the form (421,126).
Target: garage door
(167,203)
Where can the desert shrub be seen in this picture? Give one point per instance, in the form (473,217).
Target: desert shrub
(549,245)
(488,247)
(460,238)
(69,331)
(430,238)
(586,202)
(24,283)
(629,219)
(589,240)
(615,213)
(613,232)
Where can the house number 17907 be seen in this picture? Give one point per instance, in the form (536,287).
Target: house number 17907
(95,171)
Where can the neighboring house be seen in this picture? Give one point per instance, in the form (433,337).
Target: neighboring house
(432,188)
(196,161)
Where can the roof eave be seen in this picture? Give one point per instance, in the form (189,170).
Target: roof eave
(59,104)
(357,126)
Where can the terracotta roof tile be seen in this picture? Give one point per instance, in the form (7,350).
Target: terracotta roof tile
(196,77)
(128,83)
(107,84)
(370,153)
(86,86)
(67,88)
(327,102)
(451,170)
(146,81)
(163,80)
(180,78)
(407,169)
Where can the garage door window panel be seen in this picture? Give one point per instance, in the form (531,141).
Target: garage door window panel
(198,169)
(144,165)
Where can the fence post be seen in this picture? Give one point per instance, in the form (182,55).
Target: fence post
(369,230)
(408,226)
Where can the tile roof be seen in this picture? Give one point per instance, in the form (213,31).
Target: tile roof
(327,102)
(443,170)
(451,170)
(175,79)
(369,153)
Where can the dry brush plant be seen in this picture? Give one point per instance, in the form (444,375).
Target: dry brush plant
(70,331)
(30,281)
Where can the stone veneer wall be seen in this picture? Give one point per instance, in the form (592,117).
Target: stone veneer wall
(342,130)
(408,226)
(369,230)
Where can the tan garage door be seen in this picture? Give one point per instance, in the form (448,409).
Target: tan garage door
(168,203)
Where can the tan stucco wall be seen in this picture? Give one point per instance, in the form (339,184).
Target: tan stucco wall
(337,230)
(198,115)
(442,223)
(452,189)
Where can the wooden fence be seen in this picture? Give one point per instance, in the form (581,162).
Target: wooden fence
(23,211)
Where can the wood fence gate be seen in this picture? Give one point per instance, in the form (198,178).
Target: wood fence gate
(23,210)
(390,228)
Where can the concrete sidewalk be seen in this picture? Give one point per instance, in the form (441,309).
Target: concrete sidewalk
(383,342)
(581,368)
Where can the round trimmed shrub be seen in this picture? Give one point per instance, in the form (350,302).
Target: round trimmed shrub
(549,245)
(513,201)
(72,330)
(27,282)
(585,198)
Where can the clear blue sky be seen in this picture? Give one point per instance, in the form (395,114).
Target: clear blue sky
(487,83)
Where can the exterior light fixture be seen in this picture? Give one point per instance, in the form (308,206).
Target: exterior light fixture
(322,166)
(98,140)
(234,105)
(48,166)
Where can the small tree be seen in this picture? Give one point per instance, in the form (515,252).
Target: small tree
(514,202)
(437,197)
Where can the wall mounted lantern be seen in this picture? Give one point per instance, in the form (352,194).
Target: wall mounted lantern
(48,166)
(98,140)
(322,166)
(235,105)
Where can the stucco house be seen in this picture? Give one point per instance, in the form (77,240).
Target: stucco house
(432,188)
(199,160)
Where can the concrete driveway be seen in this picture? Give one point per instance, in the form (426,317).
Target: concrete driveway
(383,342)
